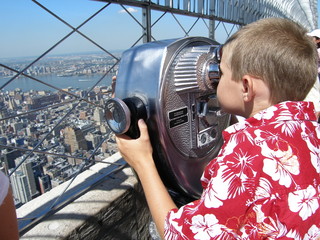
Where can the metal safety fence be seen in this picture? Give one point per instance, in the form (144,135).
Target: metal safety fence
(52,105)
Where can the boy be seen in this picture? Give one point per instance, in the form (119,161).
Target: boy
(265,182)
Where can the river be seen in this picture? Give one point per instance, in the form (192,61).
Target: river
(81,82)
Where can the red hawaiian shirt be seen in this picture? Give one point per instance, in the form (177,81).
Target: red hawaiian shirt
(264,184)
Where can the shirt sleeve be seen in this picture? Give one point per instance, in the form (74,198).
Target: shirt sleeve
(223,205)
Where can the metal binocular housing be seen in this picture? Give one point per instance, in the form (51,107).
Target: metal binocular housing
(172,85)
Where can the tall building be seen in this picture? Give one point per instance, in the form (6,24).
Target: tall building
(17,126)
(98,115)
(4,113)
(45,183)
(27,169)
(74,138)
(94,139)
(12,104)
(8,157)
(30,130)
(83,115)
(23,182)
(42,101)
(20,188)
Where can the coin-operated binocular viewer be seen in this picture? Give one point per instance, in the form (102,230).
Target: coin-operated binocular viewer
(172,84)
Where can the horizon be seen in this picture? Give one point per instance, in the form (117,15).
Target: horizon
(63,54)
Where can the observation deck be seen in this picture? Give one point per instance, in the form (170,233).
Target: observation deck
(56,69)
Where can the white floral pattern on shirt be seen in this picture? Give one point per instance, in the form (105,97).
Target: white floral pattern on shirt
(305,201)
(205,227)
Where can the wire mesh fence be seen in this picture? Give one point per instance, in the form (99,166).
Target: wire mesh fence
(52,105)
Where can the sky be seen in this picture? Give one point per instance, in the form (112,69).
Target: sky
(28,30)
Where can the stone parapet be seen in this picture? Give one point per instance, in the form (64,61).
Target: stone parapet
(114,207)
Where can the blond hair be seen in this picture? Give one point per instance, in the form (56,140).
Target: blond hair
(279,52)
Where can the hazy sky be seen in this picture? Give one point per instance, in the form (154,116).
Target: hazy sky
(28,30)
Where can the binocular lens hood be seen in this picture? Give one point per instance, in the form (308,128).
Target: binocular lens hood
(122,115)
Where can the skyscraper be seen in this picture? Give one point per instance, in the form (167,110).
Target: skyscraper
(98,115)
(20,188)
(27,170)
(74,138)
(45,183)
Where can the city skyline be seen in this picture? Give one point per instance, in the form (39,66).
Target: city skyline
(80,71)
(63,146)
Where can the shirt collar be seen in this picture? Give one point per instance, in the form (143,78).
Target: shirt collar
(284,111)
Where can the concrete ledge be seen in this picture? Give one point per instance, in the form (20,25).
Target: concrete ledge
(114,208)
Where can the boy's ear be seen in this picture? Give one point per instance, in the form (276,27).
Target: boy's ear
(247,88)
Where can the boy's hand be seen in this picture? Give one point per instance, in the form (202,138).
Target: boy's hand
(137,152)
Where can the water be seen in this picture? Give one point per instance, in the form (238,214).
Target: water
(81,82)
